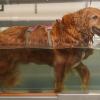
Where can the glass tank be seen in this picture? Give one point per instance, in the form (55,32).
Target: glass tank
(49,46)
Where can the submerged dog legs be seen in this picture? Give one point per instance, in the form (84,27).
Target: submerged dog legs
(59,76)
(84,74)
(8,74)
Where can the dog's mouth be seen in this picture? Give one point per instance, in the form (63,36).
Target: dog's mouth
(96,30)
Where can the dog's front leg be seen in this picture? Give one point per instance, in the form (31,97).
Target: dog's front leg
(84,73)
(59,76)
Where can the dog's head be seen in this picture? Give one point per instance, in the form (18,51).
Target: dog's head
(85,20)
(94,20)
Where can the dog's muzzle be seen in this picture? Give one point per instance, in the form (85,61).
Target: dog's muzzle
(96,30)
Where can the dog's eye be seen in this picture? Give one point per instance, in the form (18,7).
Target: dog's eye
(94,17)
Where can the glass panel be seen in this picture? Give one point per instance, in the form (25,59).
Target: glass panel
(42,41)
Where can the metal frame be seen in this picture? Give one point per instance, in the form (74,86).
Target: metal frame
(88,3)
(35,7)
(93,96)
(29,98)
(58,97)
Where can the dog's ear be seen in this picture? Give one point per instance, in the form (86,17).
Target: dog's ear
(57,21)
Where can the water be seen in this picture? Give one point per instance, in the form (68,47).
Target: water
(40,78)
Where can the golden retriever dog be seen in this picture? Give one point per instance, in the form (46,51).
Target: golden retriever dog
(64,46)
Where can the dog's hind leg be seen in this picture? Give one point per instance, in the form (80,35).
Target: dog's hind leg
(84,75)
(8,74)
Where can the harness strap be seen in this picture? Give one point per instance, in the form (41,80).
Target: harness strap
(48,30)
(31,29)
(27,36)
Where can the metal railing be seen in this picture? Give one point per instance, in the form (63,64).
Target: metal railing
(2,5)
(3,2)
